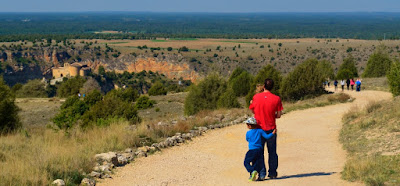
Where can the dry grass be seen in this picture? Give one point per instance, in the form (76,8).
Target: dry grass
(37,158)
(371,136)
(380,84)
(324,100)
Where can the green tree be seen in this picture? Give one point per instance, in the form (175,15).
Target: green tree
(157,89)
(205,95)
(101,70)
(70,87)
(144,102)
(347,69)
(304,81)
(267,72)
(236,73)
(394,78)
(71,111)
(33,88)
(89,86)
(9,119)
(326,69)
(378,63)
(241,84)
(228,100)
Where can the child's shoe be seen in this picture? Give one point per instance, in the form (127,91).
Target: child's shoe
(253,176)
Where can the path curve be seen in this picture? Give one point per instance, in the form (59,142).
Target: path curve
(308,148)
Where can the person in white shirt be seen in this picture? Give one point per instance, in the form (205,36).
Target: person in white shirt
(342,83)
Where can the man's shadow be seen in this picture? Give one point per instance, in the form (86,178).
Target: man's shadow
(306,175)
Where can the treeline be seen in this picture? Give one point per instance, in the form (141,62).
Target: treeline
(30,26)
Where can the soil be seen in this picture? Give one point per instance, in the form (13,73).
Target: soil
(308,148)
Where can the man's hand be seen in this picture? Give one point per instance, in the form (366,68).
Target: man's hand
(274,132)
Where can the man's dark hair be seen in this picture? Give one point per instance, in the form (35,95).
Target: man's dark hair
(269,84)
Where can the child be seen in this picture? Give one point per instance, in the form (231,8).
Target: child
(255,153)
(259,89)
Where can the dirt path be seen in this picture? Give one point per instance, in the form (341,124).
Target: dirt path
(308,149)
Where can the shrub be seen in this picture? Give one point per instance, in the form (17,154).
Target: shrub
(93,97)
(236,73)
(378,63)
(347,69)
(205,95)
(241,84)
(89,86)
(70,87)
(394,78)
(9,120)
(157,89)
(341,97)
(228,100)
(16,87)
(71,111)
(144,102)
(128,94)
(326,69)
(305,80)
(33,88)
(267,72)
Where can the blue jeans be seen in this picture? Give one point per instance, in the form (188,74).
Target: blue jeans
(272,157)
(254,160)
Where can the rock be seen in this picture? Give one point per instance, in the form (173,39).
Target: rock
(106,176)
(219,117)
(95,174)
(141,154)
(161,123)
(58,182)
(183,118)
(128,150)
(88,182)
(207,118)
(156,145)
(144,148)
(110,157)
(129,156)
(174,122)
(178,134)
(122,160)
(153,149)
(103,168)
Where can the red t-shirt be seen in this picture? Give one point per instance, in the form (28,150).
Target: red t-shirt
(265,105)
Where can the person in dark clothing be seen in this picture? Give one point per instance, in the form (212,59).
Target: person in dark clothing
(335,83)
(348,84)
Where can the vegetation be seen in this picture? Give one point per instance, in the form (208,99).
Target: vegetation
(347,69)
(71,87)
(320,101)
(228,100)
(304,81)
(370,137)
(241,83)
(378,64)
(9,120)
(205,95)
(144,102)
(394,78)
(267,72)
(33,88)
(157,89)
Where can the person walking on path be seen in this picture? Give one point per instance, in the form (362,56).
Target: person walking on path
(342,83)
(358,85)
(348,84)
(266,108)
(335,83)
(254,159)
(352,83)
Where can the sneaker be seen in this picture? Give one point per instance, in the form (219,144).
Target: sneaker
(253,176)
(260,178)
(273,177)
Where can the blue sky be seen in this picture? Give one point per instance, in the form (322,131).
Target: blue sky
(201,5)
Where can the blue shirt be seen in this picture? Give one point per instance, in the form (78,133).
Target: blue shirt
(253,136)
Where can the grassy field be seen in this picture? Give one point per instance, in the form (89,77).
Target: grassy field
(380,84)
(371,138)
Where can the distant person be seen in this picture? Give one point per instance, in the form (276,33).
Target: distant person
(358,85)
(335,83)
(342,83)
(352,83)
(266,108)
(79,95)
(348,84)
(329,83)
(254,159)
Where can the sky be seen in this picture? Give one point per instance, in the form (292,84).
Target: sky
(201,5)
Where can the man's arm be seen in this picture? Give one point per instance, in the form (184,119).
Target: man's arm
(278,114)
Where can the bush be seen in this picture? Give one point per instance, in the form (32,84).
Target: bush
(267,72)
(71,111)
(305,80)
(205,95)
(241,84)
(394,78)
(71,87)
(128,94)
(33,88)
(144,102)
(9,120)
(228,100)
(347,69)
(326,69)
(378,63)
(89,86)
(93,97)
(16,87)
(236,73)
(157,89)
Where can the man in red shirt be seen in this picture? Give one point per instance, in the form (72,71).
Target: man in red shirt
(266,108)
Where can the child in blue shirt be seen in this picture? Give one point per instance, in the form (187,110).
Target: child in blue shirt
(254,160)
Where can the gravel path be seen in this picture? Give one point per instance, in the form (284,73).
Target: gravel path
(308,149)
